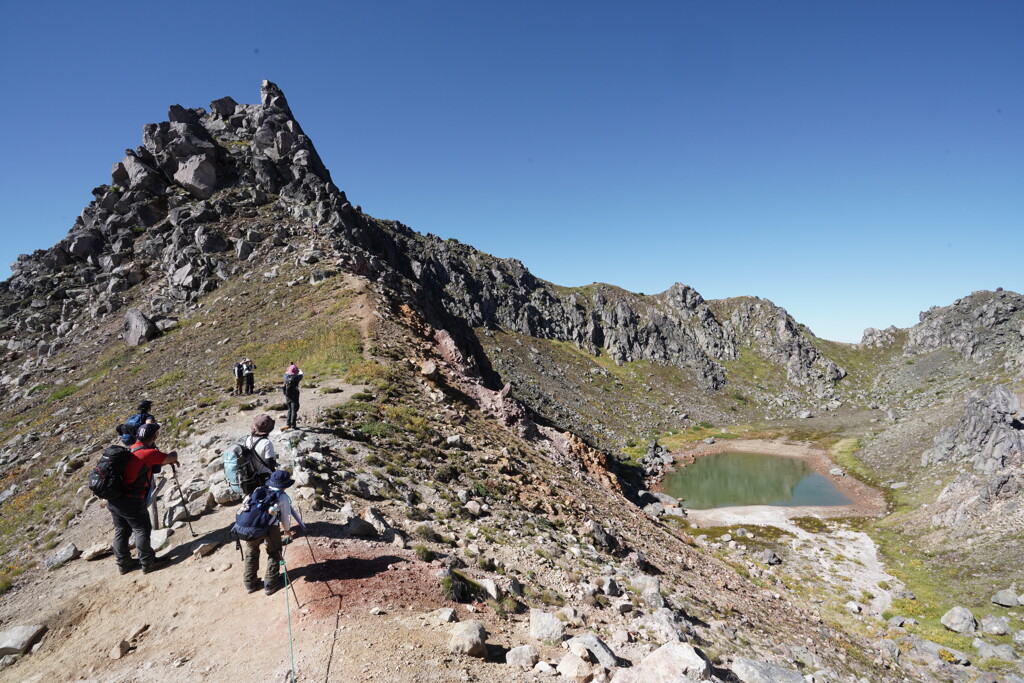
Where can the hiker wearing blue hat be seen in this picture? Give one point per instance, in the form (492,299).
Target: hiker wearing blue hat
(264,514)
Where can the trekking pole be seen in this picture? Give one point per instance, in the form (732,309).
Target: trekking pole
(288,609)
(174,474)
(287,583)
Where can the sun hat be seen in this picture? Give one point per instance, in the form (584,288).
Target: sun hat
(280,479)
(293,369)
(262,425)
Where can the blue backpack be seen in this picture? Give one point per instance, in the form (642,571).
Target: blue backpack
(129,428)
(258,513)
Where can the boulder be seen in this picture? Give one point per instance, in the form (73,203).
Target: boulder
(546,627)
(210,240)
(158,538)
(769,557)
(524,657)
(198,176)
(223,494)
(137,328)
(670,663)
(469,638)
(960,620)
(354,525)
(1006,598)
(17,640)
(750,671)
(374,518)
(573,668)
(62,557)
(997,626)
(595,648)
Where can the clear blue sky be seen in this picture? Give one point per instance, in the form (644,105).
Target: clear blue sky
(854,162)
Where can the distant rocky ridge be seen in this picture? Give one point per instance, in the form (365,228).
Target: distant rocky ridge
(208,188)
(980,327)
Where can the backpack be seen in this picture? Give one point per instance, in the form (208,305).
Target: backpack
(107,478)
(258,513)
(291,384)
(129,428)
(242,465)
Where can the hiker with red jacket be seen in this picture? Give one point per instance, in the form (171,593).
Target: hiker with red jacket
(129,511)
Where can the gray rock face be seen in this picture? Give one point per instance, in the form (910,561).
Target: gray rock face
(960,620)
(974,326)
(750,671)
(17,640)
(989,437)
(546,627)
(137,328)
(670,663)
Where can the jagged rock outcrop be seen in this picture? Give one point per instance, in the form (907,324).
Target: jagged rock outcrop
(209,188)
(989,438)
(772,332)
(874,338)
(976,326)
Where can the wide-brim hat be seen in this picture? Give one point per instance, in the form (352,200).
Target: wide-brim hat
(262,425)
(280,479)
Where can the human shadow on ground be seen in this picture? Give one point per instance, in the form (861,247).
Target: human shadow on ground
(344,569)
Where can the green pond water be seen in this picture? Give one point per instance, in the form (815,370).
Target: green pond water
(727,479)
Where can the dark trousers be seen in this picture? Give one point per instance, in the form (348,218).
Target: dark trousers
(248,383)
(251,555)
(131,516)
(293,411)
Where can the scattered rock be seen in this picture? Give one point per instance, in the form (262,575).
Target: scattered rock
(750,671)
(997,626)
(137,328)
(439,617)
(469,638)
(66,554)
(525,657)
(546,627)
(120,650)
(670,663)
(960,620)
(17,640)
(97,550)
(593,646)
(575,669)
(1006,598)
(205,549)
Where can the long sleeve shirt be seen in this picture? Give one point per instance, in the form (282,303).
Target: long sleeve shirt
(284,504)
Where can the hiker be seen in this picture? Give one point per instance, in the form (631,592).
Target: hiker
(255,466)
(127,431)
(129,511)
(264,514)
(239,371)
(249,372)
(292,377)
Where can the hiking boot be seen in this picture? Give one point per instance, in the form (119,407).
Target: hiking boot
(253,587)
(155,566)
(273,587)
(129,567)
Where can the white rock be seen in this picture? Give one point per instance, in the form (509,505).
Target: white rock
(546,627)
(525,657)
(17,640)
(469,638)
(670,663)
